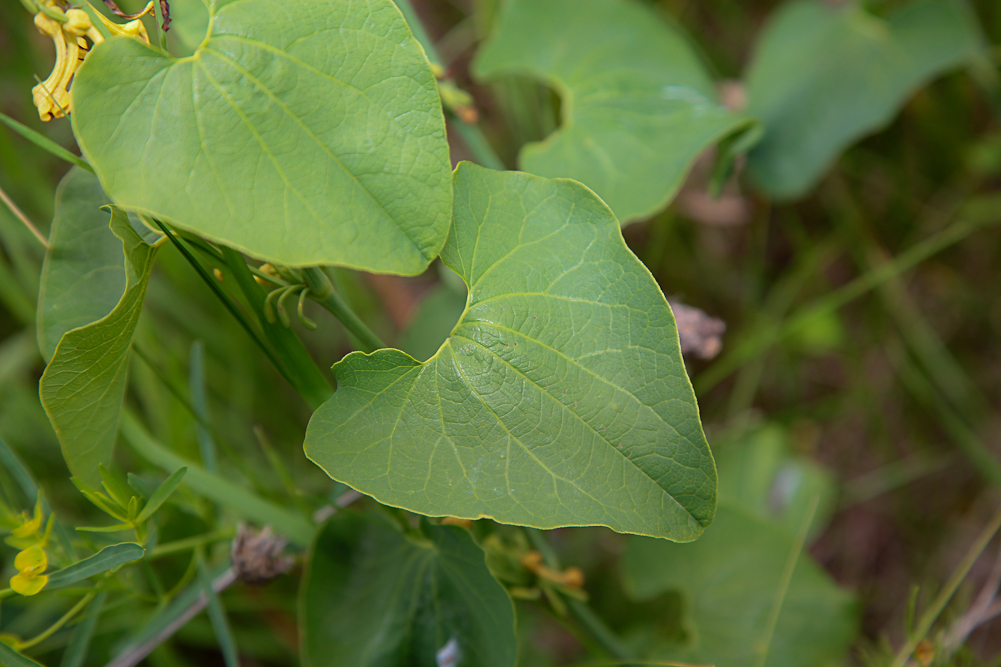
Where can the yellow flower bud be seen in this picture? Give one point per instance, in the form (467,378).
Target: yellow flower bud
(78,22)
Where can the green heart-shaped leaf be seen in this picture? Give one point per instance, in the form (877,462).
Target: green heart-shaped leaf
(83,387)
(733,581)
(375,597)
(560,399)
(827,74)
(638,107)
(303,132)
(83,275)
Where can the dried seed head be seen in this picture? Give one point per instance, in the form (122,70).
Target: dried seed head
(701,334)
(257,557)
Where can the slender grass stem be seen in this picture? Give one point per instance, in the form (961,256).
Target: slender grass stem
(942,599)
(19,214)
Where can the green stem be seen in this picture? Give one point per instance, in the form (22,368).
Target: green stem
(931,615)
(581,612)
(322,291)
(158,10)
(58,624)
(189,543)
(302,372)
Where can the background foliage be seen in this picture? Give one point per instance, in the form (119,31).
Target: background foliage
(850,412)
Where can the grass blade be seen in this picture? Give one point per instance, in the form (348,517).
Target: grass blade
(217,616)
(199,402)
(45,143)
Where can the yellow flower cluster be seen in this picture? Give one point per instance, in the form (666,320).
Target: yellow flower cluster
(71,37)
(27,534)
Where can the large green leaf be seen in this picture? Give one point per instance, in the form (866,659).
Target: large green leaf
(560,399)
(731,580)
(83,386)
(762,475)
(373,597)
(83,276)
(303,132)
(826,74)
(638,107)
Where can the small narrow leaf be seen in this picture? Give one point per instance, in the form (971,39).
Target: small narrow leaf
(826,74)
(638,105)
(117,528)
(161,494)
(116,488)
(560,398)
(102,561)
(373,597)
(44,142)
(83,386)
(304,132)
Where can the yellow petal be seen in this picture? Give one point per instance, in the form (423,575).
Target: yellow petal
(33,558)
(28,584)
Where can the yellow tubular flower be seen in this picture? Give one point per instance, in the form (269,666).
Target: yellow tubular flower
(45,94)
(52,96)
(30,563)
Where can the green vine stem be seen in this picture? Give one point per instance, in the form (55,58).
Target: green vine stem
(581,612)
(84,601)
(322,291)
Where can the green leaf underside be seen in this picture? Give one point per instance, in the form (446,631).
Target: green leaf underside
(730,579)
(638,107)
(824,76)
(83,276)
(84,385)
(303,132)
(373,596)
(560,399)
(102,561)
